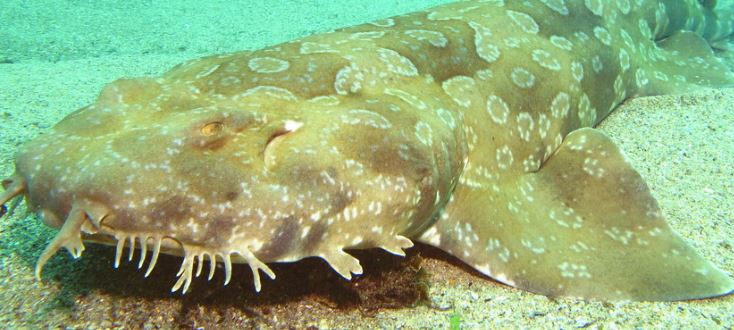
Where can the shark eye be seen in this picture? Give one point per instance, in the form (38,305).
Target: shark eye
(212,128)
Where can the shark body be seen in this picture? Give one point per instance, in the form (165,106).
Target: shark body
(466,126)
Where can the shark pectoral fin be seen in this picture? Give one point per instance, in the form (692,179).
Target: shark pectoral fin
(685,62)
(583,225)
(628,250)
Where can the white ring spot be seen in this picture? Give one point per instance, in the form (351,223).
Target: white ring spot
(435,38)
(525,125)
(267,65)
(524,21)
(369,35)
(641,78)
(397,63)
(522,77)
(348,80)
(624,6)
(595,6)
(424,133)
(497,109)
(459,88)
(388,22)
(366,118)
(504,157)
(546,60)
(558,6)
(561,42)
(561,105)
(577,71)
(624,60)
(315,48)
(482,36)
(603,35)
(446,117)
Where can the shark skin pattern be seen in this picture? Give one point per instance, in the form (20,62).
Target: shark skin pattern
(466,126)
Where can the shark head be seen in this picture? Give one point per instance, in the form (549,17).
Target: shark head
(261,176)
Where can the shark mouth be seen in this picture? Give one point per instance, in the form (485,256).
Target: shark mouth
(85,223)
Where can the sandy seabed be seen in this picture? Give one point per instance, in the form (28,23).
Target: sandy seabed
(55,58)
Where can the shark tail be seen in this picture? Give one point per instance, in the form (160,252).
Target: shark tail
(681,57)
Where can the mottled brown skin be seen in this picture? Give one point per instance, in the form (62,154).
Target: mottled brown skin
(462,126)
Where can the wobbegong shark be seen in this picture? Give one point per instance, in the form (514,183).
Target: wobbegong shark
(467,126)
